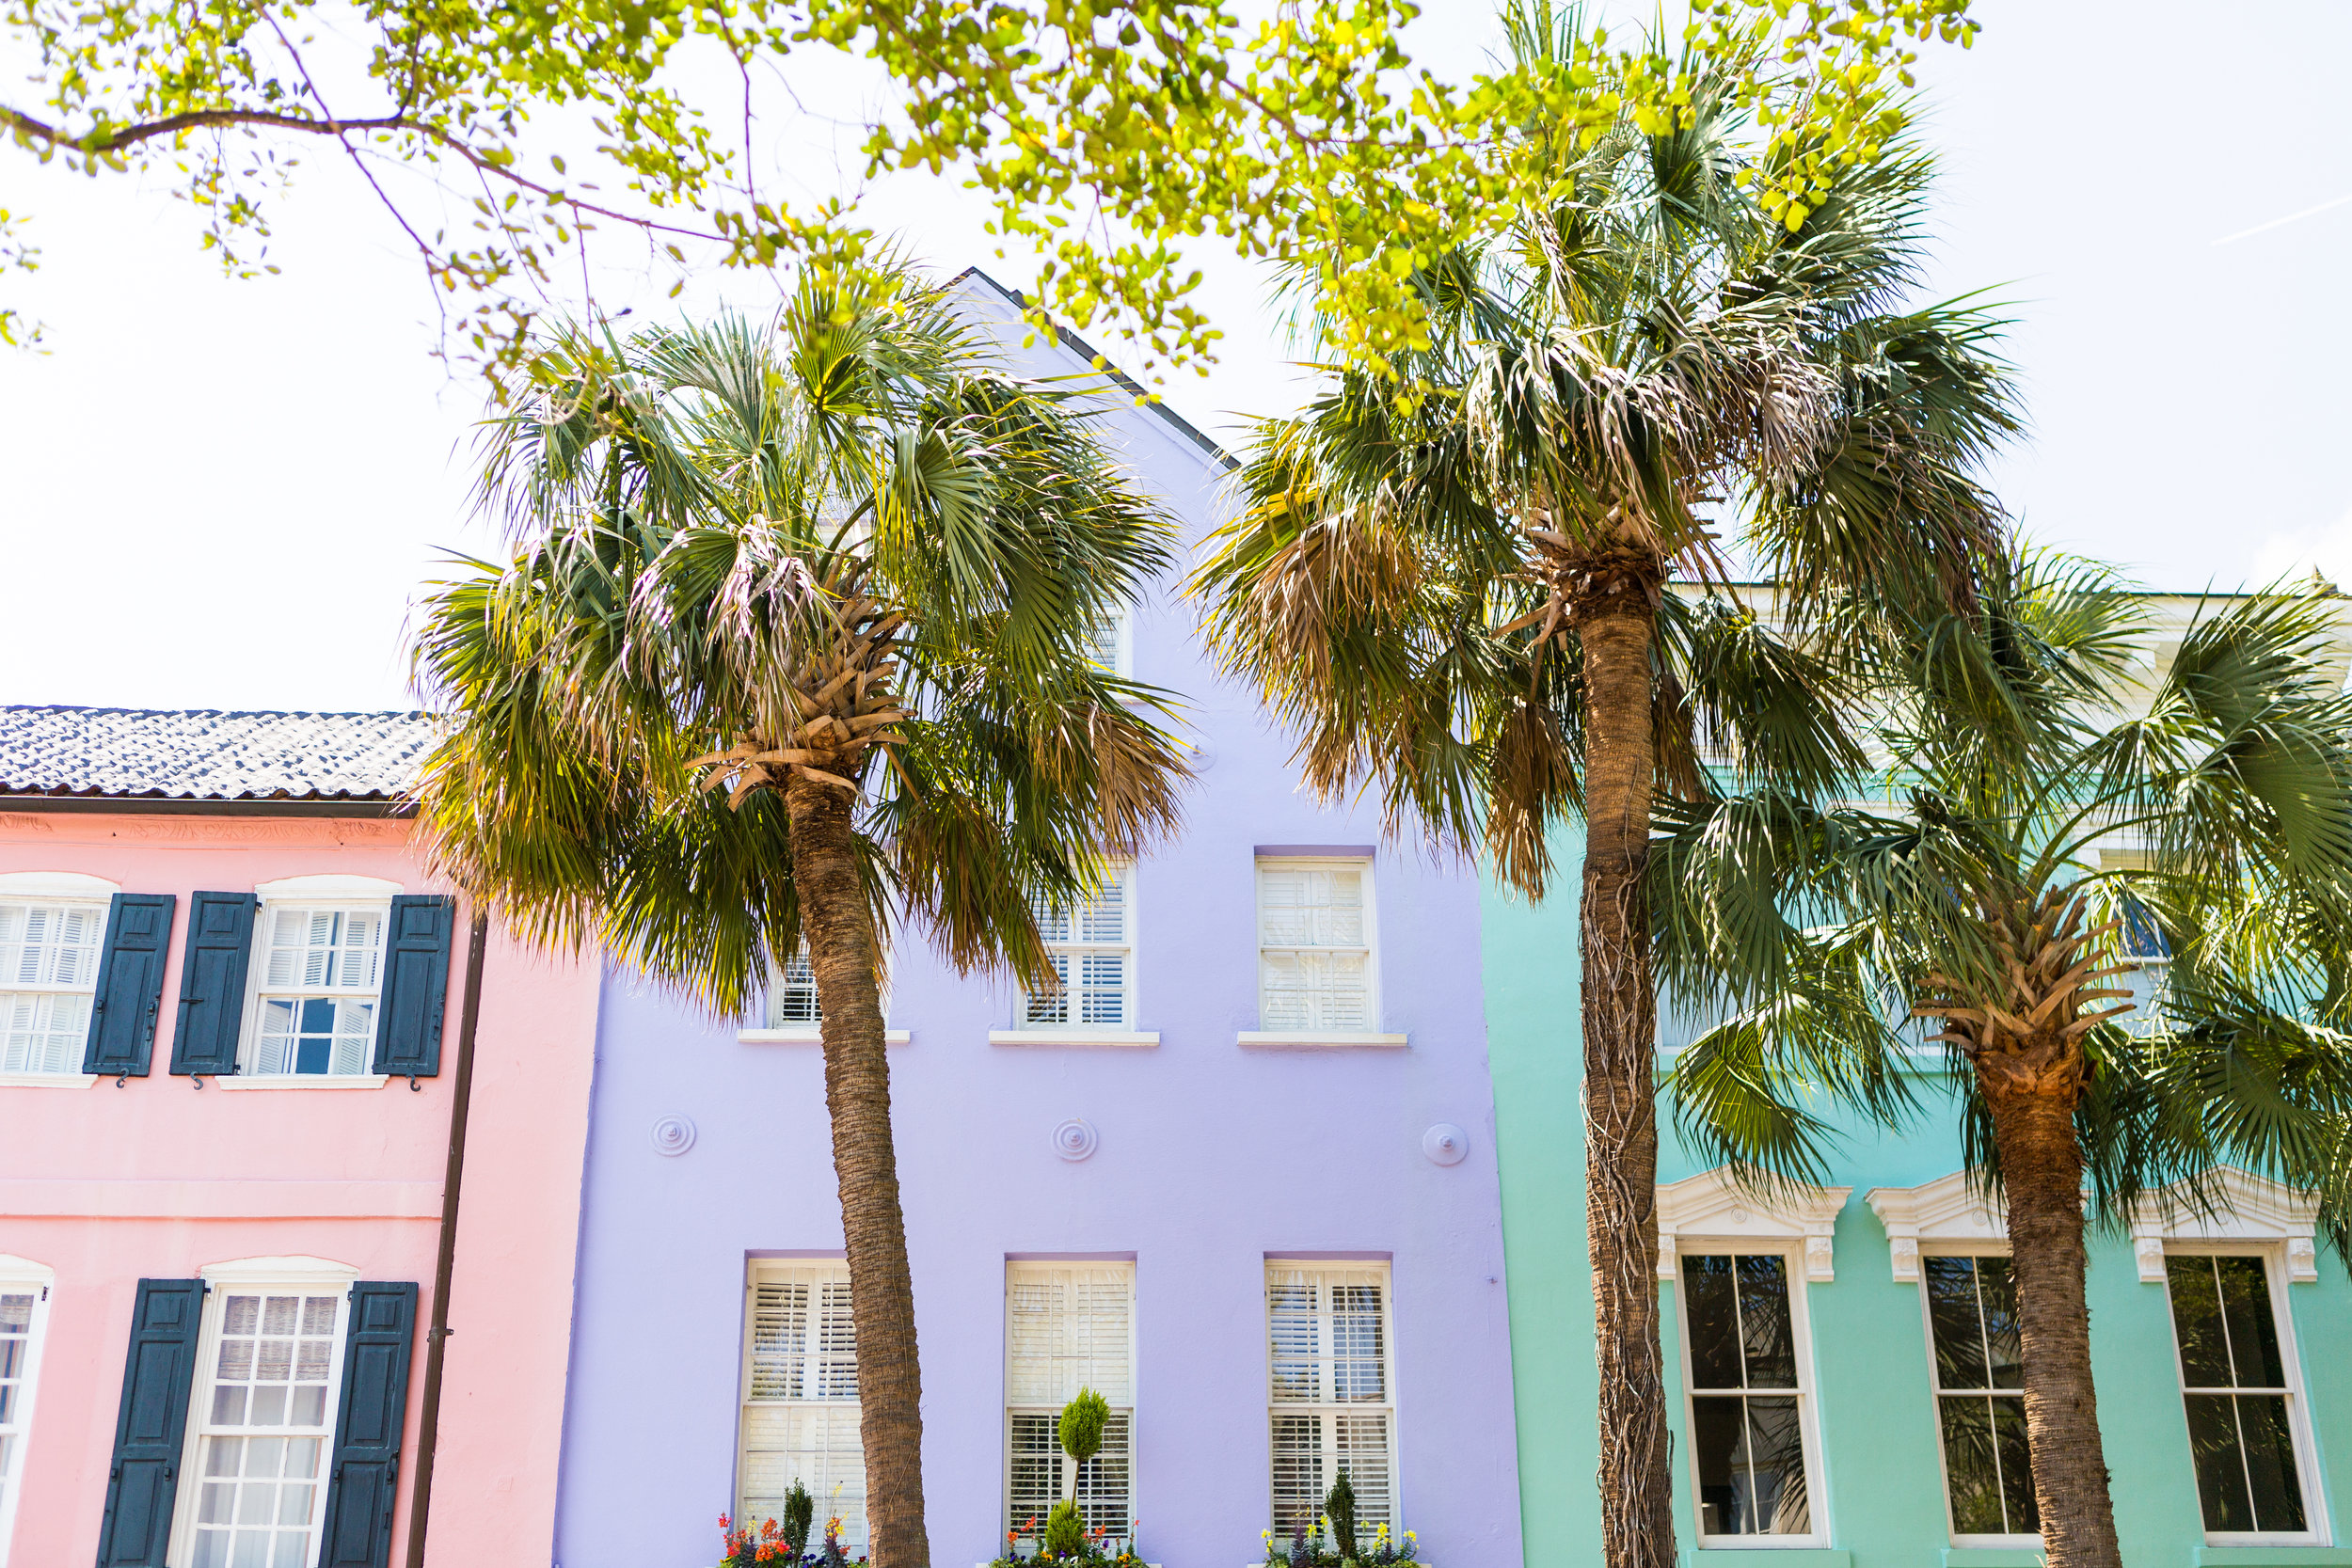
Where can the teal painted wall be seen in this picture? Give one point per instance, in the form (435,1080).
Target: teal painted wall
(1883,1484)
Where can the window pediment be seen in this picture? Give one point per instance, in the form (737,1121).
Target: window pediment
(1947,1211)
(1711,1205)
(2245,1208)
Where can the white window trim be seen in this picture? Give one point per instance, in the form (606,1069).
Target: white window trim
(57,884)
(1944,1215)
(2252,1213)
(1936,1395)
(1135,1382)
(1316,1039)
(343,892)
(1394,1404)
(1018,1033)
(803,1033)
(24,1273)
(2298,1399)
(288,1275)
(766,1270)
(1122,618)
(1709,1213)
(59,887)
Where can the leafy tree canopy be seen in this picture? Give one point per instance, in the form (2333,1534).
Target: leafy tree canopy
(1106,133)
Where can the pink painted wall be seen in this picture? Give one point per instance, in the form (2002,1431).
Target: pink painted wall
(157,1178)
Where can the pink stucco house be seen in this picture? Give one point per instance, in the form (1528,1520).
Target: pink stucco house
(291,1150)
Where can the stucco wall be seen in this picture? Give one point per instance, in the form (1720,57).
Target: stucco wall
(1212,1157)
(107,1185)
(1882,1484)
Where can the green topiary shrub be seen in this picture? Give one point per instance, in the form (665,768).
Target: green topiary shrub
(800,1511)
(1339,1508)
(1065,1532)
(1082,1423)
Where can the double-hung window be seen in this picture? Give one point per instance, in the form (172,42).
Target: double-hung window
(1331,1391)
(315,987)
(1107,642)
(800,1415)
(1314,946)
(1980,1397)
(1748,1395)
(2236,1376)
(1068,1327)
(1093,944)
(49,951)
(260,1424)
(24,1313)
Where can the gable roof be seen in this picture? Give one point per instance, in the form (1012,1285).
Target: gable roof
(205,754)
(1119,378)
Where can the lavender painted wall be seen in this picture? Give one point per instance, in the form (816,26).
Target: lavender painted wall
(1212,1157)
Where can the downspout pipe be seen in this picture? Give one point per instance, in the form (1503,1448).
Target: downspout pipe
(445,1260)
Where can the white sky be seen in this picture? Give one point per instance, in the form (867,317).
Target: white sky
(225,494)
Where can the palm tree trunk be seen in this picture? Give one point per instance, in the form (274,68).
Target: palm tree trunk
(838,919)
(1617,625)
(2041,1174)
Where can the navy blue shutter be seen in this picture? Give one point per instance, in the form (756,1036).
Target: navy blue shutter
(129,983)
(416,984)
(212,982)
(154,1418)
(365,1479)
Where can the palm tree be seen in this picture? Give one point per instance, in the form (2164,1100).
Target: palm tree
(793,646)
(1455,583)
(2048,822)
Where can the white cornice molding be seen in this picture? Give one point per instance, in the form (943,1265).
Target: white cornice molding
(56,884)
(2245,1208)
(23,1269)
(1948,1211)
(1712,1205)
(284,1270)
(327,886)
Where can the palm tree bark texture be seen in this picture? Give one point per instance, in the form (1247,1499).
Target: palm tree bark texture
(1613,614)
(2031,1068)
(836,916)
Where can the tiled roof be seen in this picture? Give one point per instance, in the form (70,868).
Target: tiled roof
(205,754)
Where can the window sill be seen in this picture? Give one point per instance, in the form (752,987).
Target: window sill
(806,1034)
(50,1079)
(1074,1037)
(298,1079)
(2273,1557)
(1992,1557)
(1784,1557)
(1317,1039)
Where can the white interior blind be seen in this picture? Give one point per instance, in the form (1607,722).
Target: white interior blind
(793,999)
(800,1398)
(1332,1404)
(1068,1327)
(317,990)
(1314,947)
(1093,950)
(48,971)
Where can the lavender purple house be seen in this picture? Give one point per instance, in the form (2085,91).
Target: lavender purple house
(1246,1186)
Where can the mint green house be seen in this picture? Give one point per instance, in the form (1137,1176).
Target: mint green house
(1842,1391)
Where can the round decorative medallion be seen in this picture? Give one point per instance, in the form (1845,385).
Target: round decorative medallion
(1446,1144)
(672,1135)
(1076,1139)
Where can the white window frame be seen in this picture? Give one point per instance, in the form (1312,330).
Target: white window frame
(1014,1269)
(767,1030)
(1319,1037)
(1276,1408)
(282,1275)
(1122,620)
(2255,1217)
(818,1274)
(20,1276)
(1022,1032)
(1710,1215)
(332,894)
(60,888)
(1948,1217)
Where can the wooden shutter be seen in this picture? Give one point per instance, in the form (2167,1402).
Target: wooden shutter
(129,983)
(416,984)
(1332,1399)
(152,1424)
(363,1482)
(212,982)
